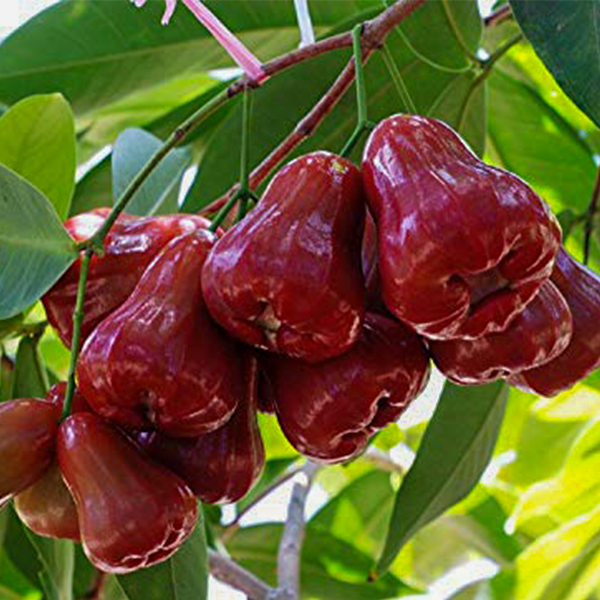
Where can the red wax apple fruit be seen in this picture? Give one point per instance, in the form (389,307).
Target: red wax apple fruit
(132,512)
(159,361)
(131,244)
(221,466)
(536,336)
(328,411)
(581,289)
(463,246)
(288,277)
(47,507)
(57,394)
(27,438)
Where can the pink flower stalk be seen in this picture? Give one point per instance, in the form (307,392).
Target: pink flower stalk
(251,66)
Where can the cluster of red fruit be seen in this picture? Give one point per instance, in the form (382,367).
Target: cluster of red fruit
(309,308)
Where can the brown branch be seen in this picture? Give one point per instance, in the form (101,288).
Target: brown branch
(374,33)
(235,576)
(292,538)
(499,16)
(589,222)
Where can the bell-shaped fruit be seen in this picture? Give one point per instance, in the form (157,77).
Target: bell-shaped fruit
(159,361)
(47,507)
(581,289)
(221,466)
(130,246)
(463,246)
(288,277)
(27,437)
(536,336)
(132,512)
(328,411)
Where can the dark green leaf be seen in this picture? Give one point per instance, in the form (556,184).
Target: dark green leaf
(565,35)
(458,31)
(29,378)
(96,52)
(331,569)
(35,249)
(20,550)
(437,92)
(158,195)
(183,577)
(455,451)
(359,514)
(531,139)
(37,141)
(57,560)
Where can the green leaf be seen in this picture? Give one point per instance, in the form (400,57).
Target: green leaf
(58,560)
(565,36)
(182,577)
(458,31)
(29,378)
(550,567)
(359,514)
(97,52)
(38,142)
(531,139)
(331,568)
(35,249)
(437,92)
(455,451)
(158,195)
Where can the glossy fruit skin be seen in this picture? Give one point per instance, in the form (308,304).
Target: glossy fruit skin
(288,277)
(57,394)
(132,243)
(536,336)
(159,361)
(48,508)
(27,434)
(463,246)
(370,267)
(581,289)
(222,466)
(132,512)
(328,411)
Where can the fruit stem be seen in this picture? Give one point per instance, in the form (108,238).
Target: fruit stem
(243,193)
(76,339)
(363,125)
(398,80)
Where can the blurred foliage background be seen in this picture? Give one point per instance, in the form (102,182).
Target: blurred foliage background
(79,83)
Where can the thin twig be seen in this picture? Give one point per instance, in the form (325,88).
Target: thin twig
(382,461)
(589,221)
(499,16)
(373,37)
(276,483)
(235,576)
(292,538)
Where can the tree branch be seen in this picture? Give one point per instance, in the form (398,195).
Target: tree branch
(374,33)
(499,16)
(277,482)
(382,461)
(589,221)
(235,576)
(290,547)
